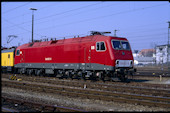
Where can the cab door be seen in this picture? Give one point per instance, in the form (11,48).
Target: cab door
(22,56)
(87,58)
(22,60)
(101,53)
(9,61)
(88,65)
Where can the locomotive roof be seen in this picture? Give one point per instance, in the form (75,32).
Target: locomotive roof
(8,50)
(70,40)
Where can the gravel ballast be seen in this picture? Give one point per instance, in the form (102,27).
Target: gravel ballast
(77,103)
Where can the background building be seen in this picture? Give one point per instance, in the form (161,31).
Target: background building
(162,54)
(144,57)
(147,53)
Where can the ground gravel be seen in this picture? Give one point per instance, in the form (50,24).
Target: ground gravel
(153,80)
(77,103)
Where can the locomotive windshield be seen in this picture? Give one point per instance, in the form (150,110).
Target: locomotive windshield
(120,45)
(125,45)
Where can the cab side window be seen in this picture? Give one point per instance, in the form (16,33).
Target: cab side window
(97,46)
(100,46)
(8,55)
(18,52)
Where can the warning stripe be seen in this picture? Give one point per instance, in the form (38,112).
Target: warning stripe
(13,77)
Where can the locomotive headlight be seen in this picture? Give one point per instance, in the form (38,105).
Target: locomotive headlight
(124,63)
(117,62)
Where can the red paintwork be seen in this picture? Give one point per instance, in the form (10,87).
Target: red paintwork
(73,50)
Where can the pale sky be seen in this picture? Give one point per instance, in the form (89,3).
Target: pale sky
(143,23)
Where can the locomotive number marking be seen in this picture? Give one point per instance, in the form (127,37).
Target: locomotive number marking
(48,58)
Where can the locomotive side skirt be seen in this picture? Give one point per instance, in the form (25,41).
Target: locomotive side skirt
(73,66)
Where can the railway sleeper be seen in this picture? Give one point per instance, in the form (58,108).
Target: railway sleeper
(108,93)
(137,97)
(108,87)
(46,86)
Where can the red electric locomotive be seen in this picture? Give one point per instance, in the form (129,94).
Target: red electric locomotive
(94,56)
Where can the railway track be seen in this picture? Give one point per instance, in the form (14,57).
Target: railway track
(101,92)
(54,80)
(4,109)
(105,87)
(153,71)
(39,107)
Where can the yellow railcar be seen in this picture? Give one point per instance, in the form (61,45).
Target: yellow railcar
(7,59)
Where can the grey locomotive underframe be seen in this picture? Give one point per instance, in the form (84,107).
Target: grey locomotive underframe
(49,67)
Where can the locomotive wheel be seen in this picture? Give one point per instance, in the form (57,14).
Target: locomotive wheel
(30,72)
(122,78)
(42,72)
(92,77)
(103,77)
(38,72)
(19,71)
(70,76)
(83,76)
(79,75)
(27,72)
(15,71)
(34,72)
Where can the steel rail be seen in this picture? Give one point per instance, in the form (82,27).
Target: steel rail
(94,94)
(110,87)
(42,107)
(51,79)
(4,109)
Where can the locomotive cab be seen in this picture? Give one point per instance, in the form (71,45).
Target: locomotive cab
(123,58)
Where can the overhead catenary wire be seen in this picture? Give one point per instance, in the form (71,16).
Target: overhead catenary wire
(61,13)
(104,16)
(130,37)
(79,13)
(144,30)
(5,12)
(101,16)
(30,13)
(93,18)
(146,36)
(75,9)
(129,34)
(69,15)
(145,25)
(19,26)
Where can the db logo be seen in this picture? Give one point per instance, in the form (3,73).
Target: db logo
(123,53)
